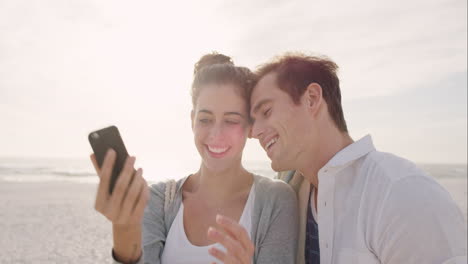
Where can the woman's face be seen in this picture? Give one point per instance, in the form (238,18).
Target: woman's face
(220,126)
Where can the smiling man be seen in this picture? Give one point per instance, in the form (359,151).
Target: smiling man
(357,205)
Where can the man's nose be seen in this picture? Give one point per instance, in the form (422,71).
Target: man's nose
(256,131)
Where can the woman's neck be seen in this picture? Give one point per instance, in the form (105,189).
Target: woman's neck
(219,185)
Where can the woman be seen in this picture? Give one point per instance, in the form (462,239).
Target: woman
(152,227)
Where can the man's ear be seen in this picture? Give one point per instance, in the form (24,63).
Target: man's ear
(312,97)
(192,117)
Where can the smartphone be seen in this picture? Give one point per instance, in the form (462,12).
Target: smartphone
(101,141)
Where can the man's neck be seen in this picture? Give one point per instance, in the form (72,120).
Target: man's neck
(331,143)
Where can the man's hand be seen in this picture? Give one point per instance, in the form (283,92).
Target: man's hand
(234,238)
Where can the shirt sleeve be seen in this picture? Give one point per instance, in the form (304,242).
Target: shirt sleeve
(420,223)
(280,242)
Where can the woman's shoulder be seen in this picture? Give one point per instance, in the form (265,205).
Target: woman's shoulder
(273,189)
(167,189)
(165,197)
(275,201)
(160,186)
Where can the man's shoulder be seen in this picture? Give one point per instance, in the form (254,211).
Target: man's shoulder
(389,167)
(404,207)
(393,176)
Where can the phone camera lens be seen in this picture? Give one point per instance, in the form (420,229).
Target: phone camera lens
(95,135)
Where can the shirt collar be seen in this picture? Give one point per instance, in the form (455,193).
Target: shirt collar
(352,152)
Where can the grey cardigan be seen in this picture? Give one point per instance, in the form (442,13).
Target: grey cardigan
(274,222)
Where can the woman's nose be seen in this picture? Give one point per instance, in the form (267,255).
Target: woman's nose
(216,131)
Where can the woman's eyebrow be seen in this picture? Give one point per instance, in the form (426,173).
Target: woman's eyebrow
(205,111)
(226,113)
(234,113)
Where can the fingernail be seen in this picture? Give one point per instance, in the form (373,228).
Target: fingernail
(212,231)
(221,219)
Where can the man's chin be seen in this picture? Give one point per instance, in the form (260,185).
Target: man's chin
(276,166)
(279,165)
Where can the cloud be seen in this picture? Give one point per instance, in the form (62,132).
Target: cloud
(404,42)
(425,124)
(72,66)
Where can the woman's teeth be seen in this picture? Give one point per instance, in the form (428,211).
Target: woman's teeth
(217,150)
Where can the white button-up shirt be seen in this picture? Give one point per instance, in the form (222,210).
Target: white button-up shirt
(374,207)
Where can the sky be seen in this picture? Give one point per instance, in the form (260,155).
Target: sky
(68,67)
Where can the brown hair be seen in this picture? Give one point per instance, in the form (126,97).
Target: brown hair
(296,71)
(215,68)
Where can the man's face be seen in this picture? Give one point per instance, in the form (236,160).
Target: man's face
(280,125)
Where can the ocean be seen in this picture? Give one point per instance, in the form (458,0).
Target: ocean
(30,170)
(82,171)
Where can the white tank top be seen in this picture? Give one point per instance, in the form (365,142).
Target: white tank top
(179,250)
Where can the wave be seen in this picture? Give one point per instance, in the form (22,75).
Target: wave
(46,171)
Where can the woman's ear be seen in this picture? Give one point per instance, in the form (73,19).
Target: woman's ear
(192,117)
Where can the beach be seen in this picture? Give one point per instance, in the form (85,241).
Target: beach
(52,222)
(47,219)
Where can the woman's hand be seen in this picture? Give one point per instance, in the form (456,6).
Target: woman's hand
(124,207)
(126,204)
(234,238)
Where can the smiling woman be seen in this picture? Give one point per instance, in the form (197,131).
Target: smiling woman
(222,212)
(220,115)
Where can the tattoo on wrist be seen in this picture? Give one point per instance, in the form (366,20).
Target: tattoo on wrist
(135,246)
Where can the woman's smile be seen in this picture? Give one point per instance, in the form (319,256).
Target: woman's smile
(217,151)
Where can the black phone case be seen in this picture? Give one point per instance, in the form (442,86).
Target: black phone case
(104,139)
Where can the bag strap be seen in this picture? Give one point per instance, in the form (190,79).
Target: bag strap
(169,193)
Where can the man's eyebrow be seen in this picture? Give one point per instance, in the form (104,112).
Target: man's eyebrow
(260,104)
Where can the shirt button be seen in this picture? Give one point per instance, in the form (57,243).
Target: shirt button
(325,203)
(325,171)
(326,245)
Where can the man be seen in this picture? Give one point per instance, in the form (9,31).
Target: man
(357,205)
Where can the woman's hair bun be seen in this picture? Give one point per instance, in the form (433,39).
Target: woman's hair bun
(212,59)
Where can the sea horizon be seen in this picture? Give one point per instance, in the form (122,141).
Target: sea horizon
(27,169)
